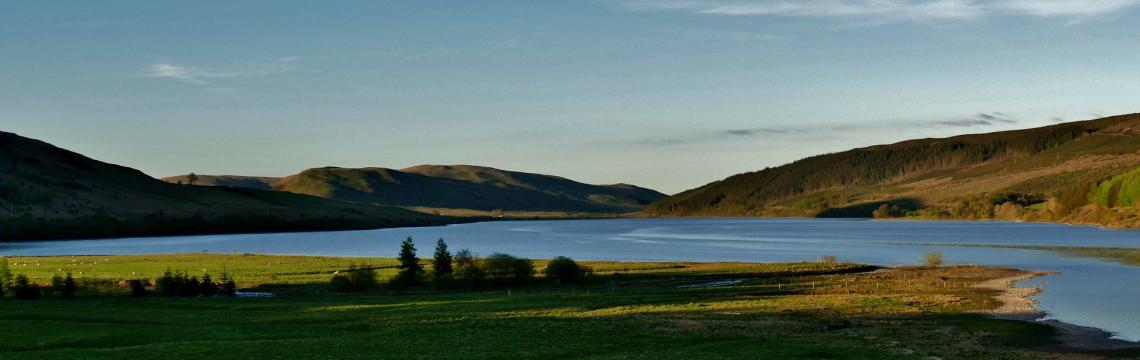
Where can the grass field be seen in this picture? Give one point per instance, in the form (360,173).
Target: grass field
(630,311)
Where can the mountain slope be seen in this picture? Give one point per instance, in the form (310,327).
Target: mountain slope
(453,187)
(251,182)
(1052,166)
(48,192)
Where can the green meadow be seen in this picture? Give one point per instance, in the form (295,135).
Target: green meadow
(625,311)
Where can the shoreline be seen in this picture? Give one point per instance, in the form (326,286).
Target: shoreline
(1018,304)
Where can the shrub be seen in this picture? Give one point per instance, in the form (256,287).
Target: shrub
(829,259)
(505,270)
(23,288)
(933,258)
(138,290)
(229,287)
(5,276)
(354,279)
(208,287)
(564,270)
(467,271)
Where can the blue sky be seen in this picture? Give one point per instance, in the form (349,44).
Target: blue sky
(665,94)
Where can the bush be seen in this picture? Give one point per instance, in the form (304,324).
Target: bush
(564,270)
(138,290)
(507,270)
(467,271)
(23,289)
(229,287)
(354,279)
(933,258)
(208,287)
(64,286)
(5,276)
(829,259)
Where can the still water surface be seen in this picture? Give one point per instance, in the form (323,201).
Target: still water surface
(1086,291)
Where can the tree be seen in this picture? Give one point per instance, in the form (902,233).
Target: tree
(229,287)
(192,178)
(505,269)
(411,273)
(5,276)
(138,289)
(565,270)
(467,270)
(441,263)
(24,289)
(208,287)
(69,287)
(354,279)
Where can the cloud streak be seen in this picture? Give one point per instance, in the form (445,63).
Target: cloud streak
(889,10)
(183,73)
(207,76)
(983,119)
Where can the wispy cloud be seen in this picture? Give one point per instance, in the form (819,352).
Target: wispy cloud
(208,75)
(889,10)
(189,74)
(981,119)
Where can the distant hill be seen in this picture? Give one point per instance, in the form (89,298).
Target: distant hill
(252,182)
(452,187)
(49,193)
(1047,173)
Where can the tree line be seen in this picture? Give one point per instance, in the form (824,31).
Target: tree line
(461,270)
(170,284)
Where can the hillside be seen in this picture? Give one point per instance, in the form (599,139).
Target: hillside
(429,187)
(1046,173)
(47,192)
(252,182)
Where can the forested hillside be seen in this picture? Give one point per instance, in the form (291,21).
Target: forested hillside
(1047,173)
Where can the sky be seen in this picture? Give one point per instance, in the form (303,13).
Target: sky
(668,94)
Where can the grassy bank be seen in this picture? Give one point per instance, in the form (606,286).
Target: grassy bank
(632,310)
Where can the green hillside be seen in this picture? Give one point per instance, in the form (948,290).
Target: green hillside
(47,192)
(454,187)
(1043,173)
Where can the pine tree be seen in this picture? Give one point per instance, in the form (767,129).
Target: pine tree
(411,273)
(441,263)
(69,287)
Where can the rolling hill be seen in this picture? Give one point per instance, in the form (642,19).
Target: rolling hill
(1048,174)
(47,193)
(429,187)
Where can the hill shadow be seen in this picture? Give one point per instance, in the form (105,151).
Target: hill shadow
(866,210)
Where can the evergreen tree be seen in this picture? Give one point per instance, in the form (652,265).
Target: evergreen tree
(441,263)
(411,273)
(69,287)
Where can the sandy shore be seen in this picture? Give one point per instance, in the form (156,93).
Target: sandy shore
(1018,304)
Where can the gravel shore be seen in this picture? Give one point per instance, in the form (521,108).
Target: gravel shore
(1018,304)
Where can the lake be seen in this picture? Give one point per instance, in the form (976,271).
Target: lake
(1086,291)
